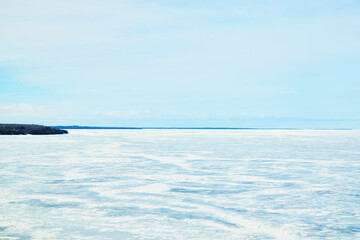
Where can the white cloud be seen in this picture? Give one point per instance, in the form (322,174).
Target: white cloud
(22,110)
(28,112)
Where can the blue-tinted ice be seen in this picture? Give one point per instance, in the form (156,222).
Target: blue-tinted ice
(181,184)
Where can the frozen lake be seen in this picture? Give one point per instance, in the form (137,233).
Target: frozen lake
(181,184)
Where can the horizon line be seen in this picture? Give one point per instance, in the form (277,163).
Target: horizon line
(196,128)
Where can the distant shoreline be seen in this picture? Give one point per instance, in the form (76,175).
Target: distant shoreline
(189,128)
(29,129)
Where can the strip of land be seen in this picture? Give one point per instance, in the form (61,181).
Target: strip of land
(90,127)
(25,129)
(193,128)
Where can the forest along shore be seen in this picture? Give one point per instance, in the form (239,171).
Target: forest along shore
(25,129)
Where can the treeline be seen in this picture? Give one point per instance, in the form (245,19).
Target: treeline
(24,129)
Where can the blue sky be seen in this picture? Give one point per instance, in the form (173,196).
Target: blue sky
(181,63)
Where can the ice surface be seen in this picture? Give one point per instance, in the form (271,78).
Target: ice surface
(181,184)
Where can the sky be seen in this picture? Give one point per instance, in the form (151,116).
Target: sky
(181,63)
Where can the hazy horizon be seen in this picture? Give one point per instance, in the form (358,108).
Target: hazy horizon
(245,124)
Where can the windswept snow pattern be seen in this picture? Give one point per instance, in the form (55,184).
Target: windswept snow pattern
(181,184)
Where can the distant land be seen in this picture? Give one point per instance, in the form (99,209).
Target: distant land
(32,129)
(90,127)
(194,128)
